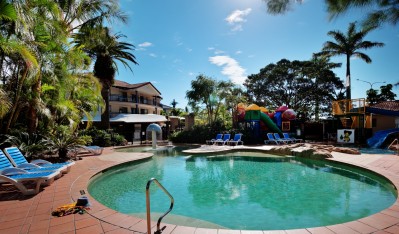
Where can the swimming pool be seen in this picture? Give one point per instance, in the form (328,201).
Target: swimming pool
(245,190)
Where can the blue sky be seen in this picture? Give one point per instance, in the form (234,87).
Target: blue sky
(176,40)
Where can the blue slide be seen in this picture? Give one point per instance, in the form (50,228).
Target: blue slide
(379,137)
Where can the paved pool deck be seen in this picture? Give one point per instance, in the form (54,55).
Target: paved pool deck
(32,214)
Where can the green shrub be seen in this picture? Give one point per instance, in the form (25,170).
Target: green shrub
(103,138)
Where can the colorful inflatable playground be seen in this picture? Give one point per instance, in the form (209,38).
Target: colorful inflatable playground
(261,120)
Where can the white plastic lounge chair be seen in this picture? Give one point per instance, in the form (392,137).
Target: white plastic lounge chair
(236,140)
(293,139)
(226,138)
(218,137)
(19,160)
(271,139)
(93,149)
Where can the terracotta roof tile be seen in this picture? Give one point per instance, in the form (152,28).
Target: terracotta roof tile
(387,105)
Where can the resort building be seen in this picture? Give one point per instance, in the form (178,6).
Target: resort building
(132,108)
(141,98)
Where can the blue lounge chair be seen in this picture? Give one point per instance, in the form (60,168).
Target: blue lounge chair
(212,141)
(12,178)
(226,138)
(5,163)
(293,139)
(19,160)
(236,140)
(93,149)
(278,138)
(271,139)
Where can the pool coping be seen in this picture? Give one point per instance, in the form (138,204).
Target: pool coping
(386,220)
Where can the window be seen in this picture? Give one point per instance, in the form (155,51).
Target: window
(143,111)
(133,110)
(124,97)
(123,110)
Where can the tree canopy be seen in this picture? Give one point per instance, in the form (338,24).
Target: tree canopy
(296,84)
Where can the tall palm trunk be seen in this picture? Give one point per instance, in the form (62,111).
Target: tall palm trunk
(348,77)
(14,113)
(105,123)
(32,112)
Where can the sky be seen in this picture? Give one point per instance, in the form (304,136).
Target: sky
(177,40)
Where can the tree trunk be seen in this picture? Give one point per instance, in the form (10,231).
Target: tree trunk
(105,124)
(32,113)
(348,78)
(16,101)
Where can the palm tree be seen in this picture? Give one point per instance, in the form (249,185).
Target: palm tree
(379,12)
(7,11)
(106,49)
(279,7)
(349,45)
(86,14)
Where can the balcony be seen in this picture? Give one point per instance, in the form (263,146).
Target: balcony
(120,98)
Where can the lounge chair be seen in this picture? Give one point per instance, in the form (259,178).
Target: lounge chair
(226,138)
(5,163)
(278,138)
(236,140)
(23,180)
(19,160)
(212,141)
(93,149)
(271,139)
(293,139)
(12,178)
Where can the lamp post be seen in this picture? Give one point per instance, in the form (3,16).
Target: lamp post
(371,84)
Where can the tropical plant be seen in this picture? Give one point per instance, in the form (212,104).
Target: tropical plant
(7,11)
(350,45)
(385,94)
(32,145)
(279,6)
(378,11)
(86,14)
(64,139)
(106,48)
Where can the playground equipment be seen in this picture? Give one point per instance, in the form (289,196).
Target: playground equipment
(259,118)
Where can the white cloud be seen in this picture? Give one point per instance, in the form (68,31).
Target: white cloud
(231,68)
(219,52)
(153,55)
(211,48)
(238,52)
(145,44)
(237,18)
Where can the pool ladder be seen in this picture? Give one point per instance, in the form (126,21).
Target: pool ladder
(147,194)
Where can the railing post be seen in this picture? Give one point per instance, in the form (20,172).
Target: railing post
(148,206)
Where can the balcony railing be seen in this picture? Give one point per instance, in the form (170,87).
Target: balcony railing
(115,98)
(353,106)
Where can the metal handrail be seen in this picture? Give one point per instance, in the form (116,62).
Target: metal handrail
(147,194)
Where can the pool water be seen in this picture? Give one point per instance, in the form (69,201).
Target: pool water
(251,191)
(376,151)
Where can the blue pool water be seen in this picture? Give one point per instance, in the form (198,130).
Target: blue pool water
(376,151)
(244,190)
